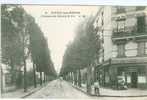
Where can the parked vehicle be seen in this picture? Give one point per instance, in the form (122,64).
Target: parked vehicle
(121,84)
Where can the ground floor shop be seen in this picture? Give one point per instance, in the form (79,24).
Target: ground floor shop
(133,75)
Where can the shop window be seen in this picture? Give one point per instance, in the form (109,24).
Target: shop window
(141,24)
(120,71)
(141,48)
(121,50)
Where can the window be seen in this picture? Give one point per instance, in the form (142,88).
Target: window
(141,24)
(121,26)
(121,50)
(120,9)
(102,13)
(141,48)
(102,22)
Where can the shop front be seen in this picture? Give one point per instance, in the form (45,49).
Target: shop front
(129,72)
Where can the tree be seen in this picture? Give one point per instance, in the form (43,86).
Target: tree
(39,51)
(21,38)
(12,50)
(82,52)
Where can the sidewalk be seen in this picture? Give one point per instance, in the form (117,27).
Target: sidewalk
(20,92)
(107,92)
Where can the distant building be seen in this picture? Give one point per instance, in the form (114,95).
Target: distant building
(123,53)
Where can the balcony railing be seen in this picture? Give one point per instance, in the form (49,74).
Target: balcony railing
(128,60)
(129,32)
(120,10)
(138,8)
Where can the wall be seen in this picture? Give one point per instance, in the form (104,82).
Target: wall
(146,47)
(114,51)
(107,33)
(131,49)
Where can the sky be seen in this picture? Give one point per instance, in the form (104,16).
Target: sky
(59,23)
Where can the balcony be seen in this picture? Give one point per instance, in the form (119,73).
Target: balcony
(129,32)
(138,8)
(120,10)
(130,60)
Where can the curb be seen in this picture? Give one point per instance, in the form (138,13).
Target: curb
(80,90)
(32,92)
(105,95)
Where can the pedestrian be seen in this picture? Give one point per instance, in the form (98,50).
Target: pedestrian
(61,78)
(97,88)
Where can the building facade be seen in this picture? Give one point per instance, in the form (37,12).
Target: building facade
(123,53)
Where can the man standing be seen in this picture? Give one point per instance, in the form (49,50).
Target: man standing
(97,88)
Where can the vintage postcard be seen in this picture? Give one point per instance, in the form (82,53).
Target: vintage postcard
(74,51)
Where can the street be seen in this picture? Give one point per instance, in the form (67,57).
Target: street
(58,89)
(62,89)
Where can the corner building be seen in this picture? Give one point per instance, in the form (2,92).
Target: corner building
(123,53)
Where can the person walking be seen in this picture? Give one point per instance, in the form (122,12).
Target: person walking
(97,88)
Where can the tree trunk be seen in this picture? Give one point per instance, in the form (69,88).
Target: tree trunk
(72,77)
(75,78)
(12,71)
(25,76)
(24,60)
(34,72)
(89,70)
(19,79)
(40,78)
(146,76)
(2,85)
(44,77)
(79,78)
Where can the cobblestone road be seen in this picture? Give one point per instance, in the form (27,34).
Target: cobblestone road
(62,89)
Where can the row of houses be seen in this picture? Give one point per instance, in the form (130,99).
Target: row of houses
(123,51)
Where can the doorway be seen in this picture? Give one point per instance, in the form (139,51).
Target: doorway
(134,79)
